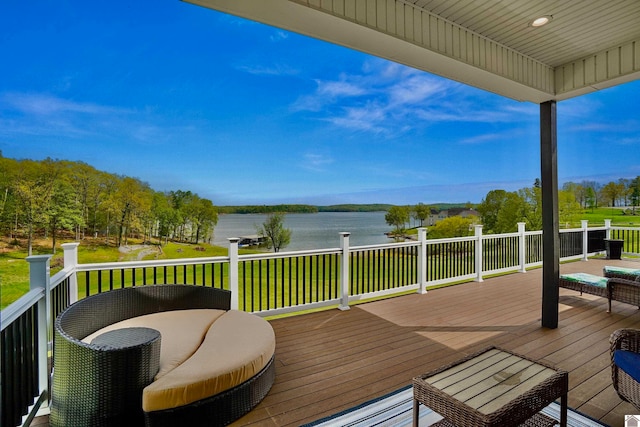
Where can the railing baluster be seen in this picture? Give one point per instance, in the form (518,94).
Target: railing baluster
(244,285)
(268,282)
(304,280)
(14,408)
(331,273)
(87,282)
(282,283)
(21,358)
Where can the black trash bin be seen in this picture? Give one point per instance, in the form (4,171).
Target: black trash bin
(614,248)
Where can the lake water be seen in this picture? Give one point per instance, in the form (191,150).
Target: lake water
(310,231)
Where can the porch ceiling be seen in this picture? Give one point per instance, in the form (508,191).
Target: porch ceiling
(588,45)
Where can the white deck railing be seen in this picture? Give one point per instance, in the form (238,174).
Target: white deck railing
(268,284)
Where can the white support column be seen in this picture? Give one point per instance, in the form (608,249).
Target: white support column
(478,234)
(71,262)
(344,271)
(422,260)
(39,277)
(233,273)
(522,244)
(607,226)
(585,239)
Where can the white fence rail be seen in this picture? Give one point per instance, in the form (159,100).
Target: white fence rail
(268,284)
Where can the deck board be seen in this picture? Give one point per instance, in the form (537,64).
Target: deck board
(332,360)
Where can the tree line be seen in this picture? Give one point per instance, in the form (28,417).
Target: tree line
(592,194)
(500,210)
(44,198)
(267,209)
(51,196)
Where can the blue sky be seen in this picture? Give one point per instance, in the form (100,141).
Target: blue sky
(185,98)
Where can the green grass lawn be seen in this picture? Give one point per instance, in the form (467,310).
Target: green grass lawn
(617,216)
(14,269)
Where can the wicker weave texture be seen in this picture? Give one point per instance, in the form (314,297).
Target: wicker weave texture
(97,385)
(583,287)
(620,275)
(618,289)
(628,389)
(538,420)
(221,409)
(624,289)
(513,413)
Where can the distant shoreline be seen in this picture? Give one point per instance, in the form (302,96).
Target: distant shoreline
(300,208)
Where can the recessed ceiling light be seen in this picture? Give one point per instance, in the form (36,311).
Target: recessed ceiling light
(539,22)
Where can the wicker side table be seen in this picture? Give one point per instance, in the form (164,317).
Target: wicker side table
(493,387)
(102,384)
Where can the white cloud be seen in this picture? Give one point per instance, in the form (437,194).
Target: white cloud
(338,89)
(272,70)
(316,162)
(278,36)
(480,139)
(49,116)
(414,90)
(41,104)
(633,140)
(391,98)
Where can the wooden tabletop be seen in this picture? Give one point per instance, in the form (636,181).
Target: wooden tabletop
(491,388)
(489,381)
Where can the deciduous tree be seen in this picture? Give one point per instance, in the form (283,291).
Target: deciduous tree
(421,213)
(513,211)
(455,226)
(273,230)
(489,209)
(33,188)
(64,211)
(612,191)
(568,208)
(398,217)
(204,216)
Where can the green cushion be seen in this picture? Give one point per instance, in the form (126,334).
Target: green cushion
(622,270)
(589,279)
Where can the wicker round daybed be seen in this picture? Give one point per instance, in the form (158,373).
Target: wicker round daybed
(159,355)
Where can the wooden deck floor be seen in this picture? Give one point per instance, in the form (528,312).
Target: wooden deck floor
(332,360)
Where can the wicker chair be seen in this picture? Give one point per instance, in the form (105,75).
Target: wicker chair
(101,384)
(617,289)
(625,364)
(632,274)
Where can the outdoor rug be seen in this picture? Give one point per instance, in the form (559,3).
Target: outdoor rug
(396,409)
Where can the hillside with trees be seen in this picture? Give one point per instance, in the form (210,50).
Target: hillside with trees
(500,211)
(49,197)
(591,194)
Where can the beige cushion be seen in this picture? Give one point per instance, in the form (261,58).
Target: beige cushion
(236,347)
(181,331)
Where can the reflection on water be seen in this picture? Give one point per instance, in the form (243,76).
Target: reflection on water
(310,231)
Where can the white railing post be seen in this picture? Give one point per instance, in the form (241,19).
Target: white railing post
(70,262)
(39,277)
(478,234)
(585,239)
(344,271)
(422,260)
(522,243)
(607,226)
(233,273)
